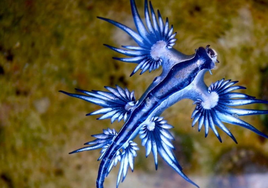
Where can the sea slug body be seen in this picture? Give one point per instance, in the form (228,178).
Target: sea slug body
(182,77)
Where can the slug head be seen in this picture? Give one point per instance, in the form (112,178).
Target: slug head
(212,54)
(207,58)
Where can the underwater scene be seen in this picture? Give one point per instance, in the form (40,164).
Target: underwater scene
(52,46)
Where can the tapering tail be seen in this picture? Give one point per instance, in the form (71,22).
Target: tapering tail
(103,169)
(114,154)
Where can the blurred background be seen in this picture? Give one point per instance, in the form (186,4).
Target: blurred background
(47,46)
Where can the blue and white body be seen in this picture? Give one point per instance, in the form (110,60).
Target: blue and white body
(182,77)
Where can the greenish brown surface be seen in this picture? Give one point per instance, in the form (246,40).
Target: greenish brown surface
(46,46)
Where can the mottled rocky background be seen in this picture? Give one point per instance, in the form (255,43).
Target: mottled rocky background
(46,46)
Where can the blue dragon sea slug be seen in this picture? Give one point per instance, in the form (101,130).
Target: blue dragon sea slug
(182,77)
